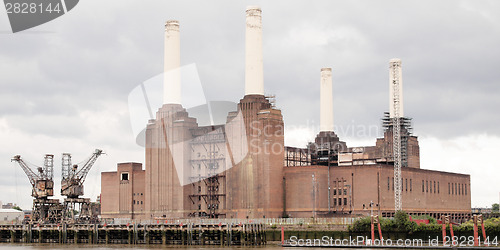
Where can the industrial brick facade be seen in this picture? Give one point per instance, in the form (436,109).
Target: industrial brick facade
(193,171)
(123,192)
(241,168)
(353,188)
(255,187)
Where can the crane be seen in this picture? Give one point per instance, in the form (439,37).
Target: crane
(41,181)
(45,210)
(76,209)
(73,176)
(395,66)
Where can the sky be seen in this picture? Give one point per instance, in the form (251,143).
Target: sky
(64,85)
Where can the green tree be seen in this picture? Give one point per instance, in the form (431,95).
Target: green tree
(495,208)
(403,223)
(17,208)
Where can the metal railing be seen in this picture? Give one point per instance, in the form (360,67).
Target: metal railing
(266,221)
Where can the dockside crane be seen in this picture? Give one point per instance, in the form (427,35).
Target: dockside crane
(45,210)
(41,182)
(73,177)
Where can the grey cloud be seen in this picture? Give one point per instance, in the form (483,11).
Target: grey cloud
(446,48)
(87,62)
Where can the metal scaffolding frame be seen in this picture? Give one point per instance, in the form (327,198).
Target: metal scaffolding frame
(297,157)
(396,133)
(209,162)
(406,130)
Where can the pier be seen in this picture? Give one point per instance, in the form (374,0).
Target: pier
(243,234)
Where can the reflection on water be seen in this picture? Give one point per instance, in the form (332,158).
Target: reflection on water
(19,246)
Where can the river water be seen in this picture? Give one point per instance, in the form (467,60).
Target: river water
(19,246)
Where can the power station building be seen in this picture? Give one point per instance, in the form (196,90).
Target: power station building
(241,169)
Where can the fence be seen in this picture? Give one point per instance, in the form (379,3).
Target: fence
(265,221)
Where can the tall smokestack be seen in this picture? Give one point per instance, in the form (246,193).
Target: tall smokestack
(395,82)
(254,76)
(172,57)
(326,108)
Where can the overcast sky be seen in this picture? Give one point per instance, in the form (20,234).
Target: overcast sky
(64,85)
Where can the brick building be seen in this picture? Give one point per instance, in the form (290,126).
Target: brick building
(241,168)
(123,192)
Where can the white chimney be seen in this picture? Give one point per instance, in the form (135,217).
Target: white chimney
(395,78)
(254,76)
(172,57)
(326,100)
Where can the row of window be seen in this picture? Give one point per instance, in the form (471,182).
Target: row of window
(339,183)
(137,194)
(427,186)
(340,191)
(339,202)
(406,184)
(137,202)
(457,188)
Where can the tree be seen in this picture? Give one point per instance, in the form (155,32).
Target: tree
(495,208)
(17,208)
(403,223)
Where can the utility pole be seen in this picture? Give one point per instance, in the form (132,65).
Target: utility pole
(329,187)
(371,208)
(314,197)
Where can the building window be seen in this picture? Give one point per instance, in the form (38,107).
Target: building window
(427,186)
(423,190)
(452,191)
(334,191)
(141,202)
(392,183)
(334,202)
(456,188)
(199,189)
(345,191)
(449,192)
(340,201)
(345,201)
(438,187)
(124,176)
(406,184)
(410,186)
(430,186)
(134,202)
(465,189)
(434,186)
(388,183)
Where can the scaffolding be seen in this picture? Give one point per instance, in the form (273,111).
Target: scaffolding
(46,211)
(208,165)
(80,210)
(406,131)
(272,100)
(297,157)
